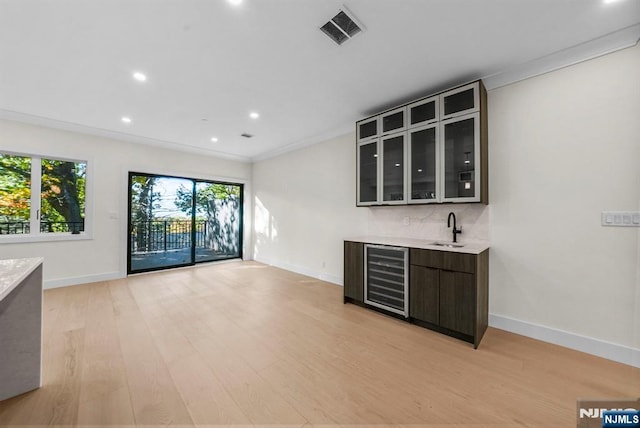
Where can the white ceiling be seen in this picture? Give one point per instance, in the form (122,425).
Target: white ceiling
(69,63)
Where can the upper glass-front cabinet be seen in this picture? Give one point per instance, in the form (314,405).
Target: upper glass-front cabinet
(424,167)
(432,150)
(461,152)
(367,129)
(393,169)
(368,173)
(459,101)
(382,178)
(394,121)
(423,112)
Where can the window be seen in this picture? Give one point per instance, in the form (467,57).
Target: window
(41,197)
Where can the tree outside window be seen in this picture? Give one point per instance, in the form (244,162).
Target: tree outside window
(58,206)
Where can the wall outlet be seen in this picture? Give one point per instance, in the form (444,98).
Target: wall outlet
(406,221)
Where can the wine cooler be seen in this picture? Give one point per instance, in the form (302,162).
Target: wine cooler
(386,284)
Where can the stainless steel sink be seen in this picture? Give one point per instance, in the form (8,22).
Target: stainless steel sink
(447,244)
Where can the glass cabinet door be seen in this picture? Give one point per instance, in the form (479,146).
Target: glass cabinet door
(368,173)
(461,155)
(367,129)
(423,112)
(393,121)
(423,165)
(459,101)
(393,169)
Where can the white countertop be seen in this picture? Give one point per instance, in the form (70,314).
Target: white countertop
(14,271)
(426,244)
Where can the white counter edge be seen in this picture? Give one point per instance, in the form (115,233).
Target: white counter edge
(30,265)
(425,244)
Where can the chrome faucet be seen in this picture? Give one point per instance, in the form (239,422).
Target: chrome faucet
(455,231)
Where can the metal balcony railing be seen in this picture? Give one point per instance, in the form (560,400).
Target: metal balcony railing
(165,235)
(24,227)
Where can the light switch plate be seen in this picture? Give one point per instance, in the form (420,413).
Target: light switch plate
(621,218)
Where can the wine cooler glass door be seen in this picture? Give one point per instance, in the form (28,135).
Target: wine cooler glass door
(386,284)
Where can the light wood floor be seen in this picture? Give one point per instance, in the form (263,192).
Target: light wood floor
(246,344)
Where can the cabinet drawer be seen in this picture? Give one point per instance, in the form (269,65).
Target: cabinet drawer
(427,258)
(458,262)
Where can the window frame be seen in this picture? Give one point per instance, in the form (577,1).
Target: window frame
(225,181)
(36,203)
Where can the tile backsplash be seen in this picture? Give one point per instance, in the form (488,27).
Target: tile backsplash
(430,222)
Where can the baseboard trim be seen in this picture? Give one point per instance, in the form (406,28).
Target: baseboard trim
(600,348)
(76,280)
(302,270)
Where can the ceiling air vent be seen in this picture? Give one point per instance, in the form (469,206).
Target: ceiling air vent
(245,135)
(341,27)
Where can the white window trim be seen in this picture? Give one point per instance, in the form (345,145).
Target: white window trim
(35,205)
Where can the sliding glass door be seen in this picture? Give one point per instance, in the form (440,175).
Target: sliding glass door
(177,221)
(217,221)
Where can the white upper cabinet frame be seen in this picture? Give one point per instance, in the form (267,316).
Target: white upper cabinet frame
(437,162)
(436,105)
(476,157)
(381,176)
(378,172)
(445,96)
(384,132)
(360,123)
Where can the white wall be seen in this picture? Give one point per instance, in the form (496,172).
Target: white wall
(564,147)
(104,256)
(305,207)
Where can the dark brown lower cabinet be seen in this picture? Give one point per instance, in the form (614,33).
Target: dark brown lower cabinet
(448,292)
(353,272)
(457,297)
(424,292)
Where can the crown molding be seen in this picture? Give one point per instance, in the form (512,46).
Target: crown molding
(606,44)
(121,136)
(343,130)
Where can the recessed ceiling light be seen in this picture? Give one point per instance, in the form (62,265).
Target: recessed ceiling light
(610,1)
(254,115)
(126,119)
(235,2)
(140,77)
(214,140)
